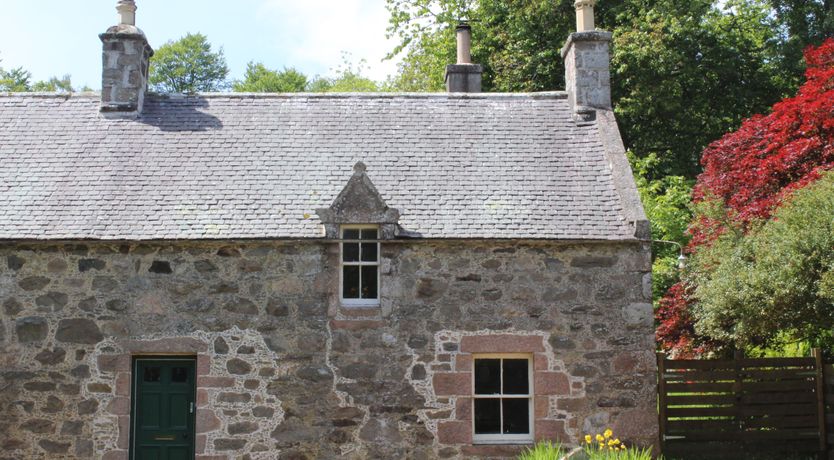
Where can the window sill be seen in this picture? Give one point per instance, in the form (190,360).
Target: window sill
(502,442)
(359,303)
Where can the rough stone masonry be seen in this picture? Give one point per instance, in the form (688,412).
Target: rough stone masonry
(281,367)
(208,228)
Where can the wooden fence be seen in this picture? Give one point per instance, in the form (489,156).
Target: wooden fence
(737,408)
(828,390)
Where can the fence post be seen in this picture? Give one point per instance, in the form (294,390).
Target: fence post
(821,402)
(738,391)
(661,406)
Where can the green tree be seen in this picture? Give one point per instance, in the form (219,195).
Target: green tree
(801,23)
(260,79)
(776,282)
(54,85)
(18,80)
(188,65)
(666,201)
(15,80)
(348,79)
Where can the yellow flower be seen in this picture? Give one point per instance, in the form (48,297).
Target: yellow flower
(616,441)
(608,433)
(600,438)
(587,439)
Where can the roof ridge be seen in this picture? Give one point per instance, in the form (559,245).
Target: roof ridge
(365,95)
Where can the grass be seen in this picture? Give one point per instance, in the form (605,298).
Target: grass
(543,451)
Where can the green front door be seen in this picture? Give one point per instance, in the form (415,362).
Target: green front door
(163,409)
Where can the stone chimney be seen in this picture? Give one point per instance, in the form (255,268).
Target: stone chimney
(587,64)
(125,59)
(464,76)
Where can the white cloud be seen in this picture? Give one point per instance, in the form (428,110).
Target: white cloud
(314,33)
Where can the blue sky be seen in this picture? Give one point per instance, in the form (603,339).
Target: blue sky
(56,37)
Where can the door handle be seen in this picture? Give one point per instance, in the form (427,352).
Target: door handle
(164,438)
(191,407)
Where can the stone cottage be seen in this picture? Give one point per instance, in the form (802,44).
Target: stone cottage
(261,276)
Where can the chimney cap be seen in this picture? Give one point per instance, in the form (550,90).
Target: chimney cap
(463,25)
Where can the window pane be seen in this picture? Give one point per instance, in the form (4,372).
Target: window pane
(369,234)
(516,416)
(369,252)
(350,252)
(516,380)
(350,282)
(487,376)
(152,374)
(350,234)
(487,416)
(369,282)
(179,374)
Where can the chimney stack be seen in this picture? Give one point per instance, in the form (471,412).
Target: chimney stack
(587,64)
(464,76)
(126,57)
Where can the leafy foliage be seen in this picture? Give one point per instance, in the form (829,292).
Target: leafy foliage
(666,202)
(19,80)
(188,65)
(776,282)
(747,175)
(673,60)
(751,169)
(260,79)
(54,84)
(348,79)
(15,80)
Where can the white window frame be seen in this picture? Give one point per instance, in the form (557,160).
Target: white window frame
(499,438)
(359,263)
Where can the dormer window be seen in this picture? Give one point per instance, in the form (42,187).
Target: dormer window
(360,265)
(359,219)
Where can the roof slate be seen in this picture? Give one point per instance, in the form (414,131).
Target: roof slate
(228,166)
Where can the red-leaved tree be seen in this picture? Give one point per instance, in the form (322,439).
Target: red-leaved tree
(749,171)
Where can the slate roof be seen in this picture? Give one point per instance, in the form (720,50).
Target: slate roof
(226,166)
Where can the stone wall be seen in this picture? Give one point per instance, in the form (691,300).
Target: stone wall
(283,368)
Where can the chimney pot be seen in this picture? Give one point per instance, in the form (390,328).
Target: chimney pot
(464,38)
(127,12)
(585,15)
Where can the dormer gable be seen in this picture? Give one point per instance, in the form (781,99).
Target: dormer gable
(359,202)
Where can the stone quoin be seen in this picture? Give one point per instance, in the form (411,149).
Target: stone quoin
(259,276)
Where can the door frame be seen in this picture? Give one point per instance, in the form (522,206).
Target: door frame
(134,376)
